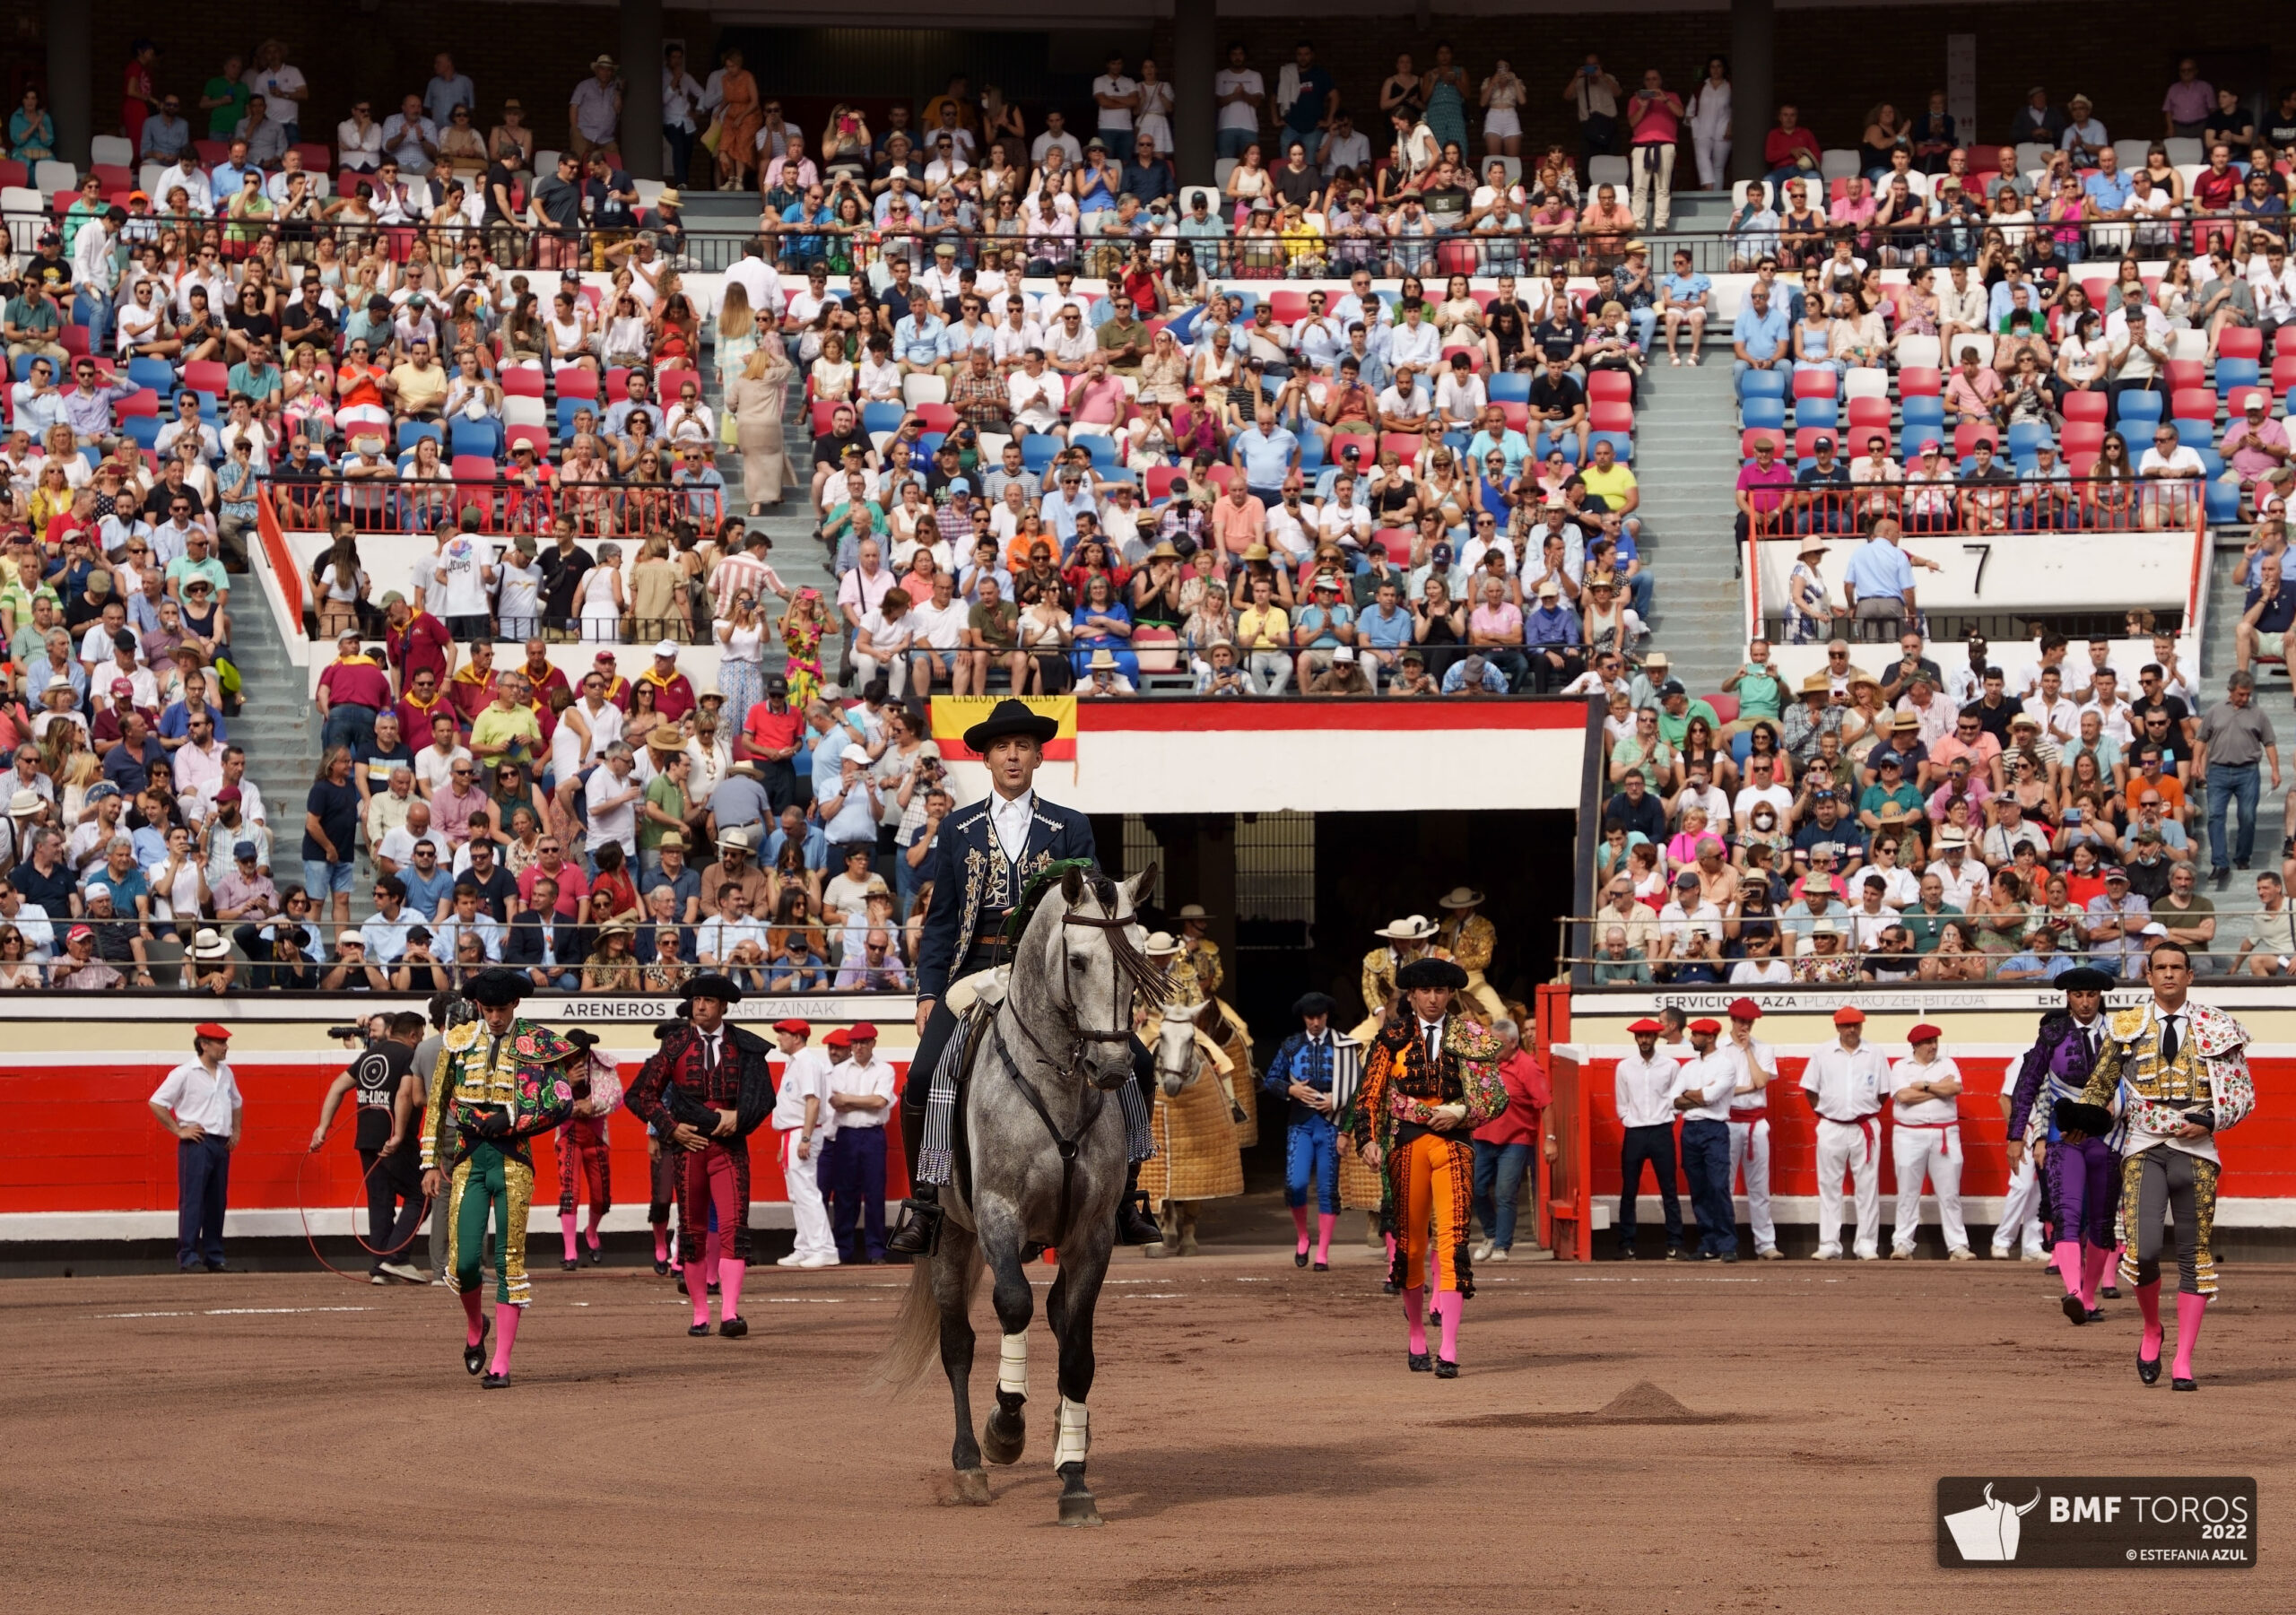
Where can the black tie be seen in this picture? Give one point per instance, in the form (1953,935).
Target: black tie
(1434,1044)
(2169,1040)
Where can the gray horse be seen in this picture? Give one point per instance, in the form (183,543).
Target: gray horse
(1046,1169)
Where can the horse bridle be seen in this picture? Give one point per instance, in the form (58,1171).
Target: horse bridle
(1095,1096)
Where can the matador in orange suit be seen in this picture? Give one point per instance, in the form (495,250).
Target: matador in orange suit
(1432,1079)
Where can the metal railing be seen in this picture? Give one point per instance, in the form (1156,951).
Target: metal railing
(508,504)
(1973,507)
(1388,246)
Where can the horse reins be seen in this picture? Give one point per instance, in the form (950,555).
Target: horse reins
(1124,959)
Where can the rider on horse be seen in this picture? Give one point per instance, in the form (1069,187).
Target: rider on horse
(982,864)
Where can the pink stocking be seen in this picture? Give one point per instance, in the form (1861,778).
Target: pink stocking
(471,1298)
(2093,1272)
(699,1294)
(709,1259)
(1300,1224)
(506,1335)
(1323,1222)
(2190,1311)
(591,1233)
(1415,1312)
(661,1242)
(566,1226)
(729,1293)
(1448,1305)
(2148,1302)
(2068,1264)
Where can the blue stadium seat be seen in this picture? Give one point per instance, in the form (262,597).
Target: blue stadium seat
(1100,447)
(2195,434)
(2235,372)
(410,432)
(2025,436)
(1037,450)
(157,374)
(1509,387)
(1621,444)
(1311,452)
(143,430)
(2211,461)
(2139,406)
(1927,413)
(2223,502)
(1817,411)
(1762,384)
(568,408)
(883,417)
(928,444)
(480,437)
(1760,413)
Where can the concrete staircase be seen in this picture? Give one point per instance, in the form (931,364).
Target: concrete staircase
(1686,461)
(802,562)
(276,723)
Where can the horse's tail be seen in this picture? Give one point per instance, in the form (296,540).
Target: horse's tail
(917,1330)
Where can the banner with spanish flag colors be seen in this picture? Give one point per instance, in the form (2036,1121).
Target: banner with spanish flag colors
(953,715)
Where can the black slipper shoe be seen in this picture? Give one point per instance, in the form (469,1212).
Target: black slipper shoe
(2074,1310)
(733,1329)
(661,1269)
(474,1357)
(697,1329)
(1417,1361)
(2184,1385)
(494,1382)
(1323,1267)
(568,1265)
(2148,1369)
(597,1255)
(1445,1369)
(1298,1258)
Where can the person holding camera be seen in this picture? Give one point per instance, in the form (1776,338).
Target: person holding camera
(388,1094)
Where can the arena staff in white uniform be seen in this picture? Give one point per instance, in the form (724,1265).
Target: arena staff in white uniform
(1845,1083)
(1926,1142)
(863,1093)
(1749,1123)
(803,1117)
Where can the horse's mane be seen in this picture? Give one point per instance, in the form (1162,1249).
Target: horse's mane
(1131,963)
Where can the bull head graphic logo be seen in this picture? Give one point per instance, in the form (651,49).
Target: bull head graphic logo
(1988,1534)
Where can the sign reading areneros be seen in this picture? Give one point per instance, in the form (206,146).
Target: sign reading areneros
(2091,1522)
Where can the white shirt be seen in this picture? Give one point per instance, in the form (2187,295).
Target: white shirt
(1767,973)
(1645,1089)
(2182,461)
(1779,798)
(807,1076)
(1715,1078)
(612,824)
(200,1099)
(1754,1106)
(1846,1085)
(1902,887)
(877,1078)
(1960,890)
(1238,115)
(1910,1071)
(1008,819)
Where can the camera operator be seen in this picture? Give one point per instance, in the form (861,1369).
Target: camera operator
(388,1134)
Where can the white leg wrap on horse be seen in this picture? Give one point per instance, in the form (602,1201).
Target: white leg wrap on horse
(1013,1365)
(1075,1438)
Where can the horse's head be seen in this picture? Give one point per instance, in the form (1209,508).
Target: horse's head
(1094,965)
(1177,1063)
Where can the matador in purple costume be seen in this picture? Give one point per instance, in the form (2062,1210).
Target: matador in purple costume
(2083,1171)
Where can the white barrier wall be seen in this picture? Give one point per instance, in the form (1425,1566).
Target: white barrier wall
(2011,572)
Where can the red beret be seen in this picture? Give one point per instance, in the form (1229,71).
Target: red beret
(839,1038)
(1925,1033)
(1645,1025)
(1849,1014)
(208,1028)
(795,1027)
(863,1031)
(1744,1009)
(1710,1026)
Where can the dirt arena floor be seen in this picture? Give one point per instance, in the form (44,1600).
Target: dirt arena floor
(298,1443)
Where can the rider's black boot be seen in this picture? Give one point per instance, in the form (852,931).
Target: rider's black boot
(920,1224)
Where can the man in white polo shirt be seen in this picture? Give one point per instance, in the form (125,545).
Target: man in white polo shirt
(1845,1084)
(1927,1143)
(803,1117)
(199,1102)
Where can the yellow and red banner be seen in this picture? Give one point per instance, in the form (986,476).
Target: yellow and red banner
(953,715)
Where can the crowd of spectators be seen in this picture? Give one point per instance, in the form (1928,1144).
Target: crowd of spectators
(1924,823)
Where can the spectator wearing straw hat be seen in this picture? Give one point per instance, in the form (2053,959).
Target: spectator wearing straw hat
(199,1102)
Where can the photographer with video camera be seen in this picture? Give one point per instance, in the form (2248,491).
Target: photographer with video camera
(389,1096)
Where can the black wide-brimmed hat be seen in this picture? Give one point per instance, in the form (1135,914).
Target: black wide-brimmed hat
(1010,716)
(1314,1003)
(1430,973)
(2072,1117)
(492,989)
(723,988)
(2086,978)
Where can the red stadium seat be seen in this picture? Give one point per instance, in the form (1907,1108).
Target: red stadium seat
(2086,406)
(1369,447)
(1161,478)
(577,381)
(206,375)
(1757,434)
(617,386)
(1518,416)
(1852,443)
(1290,307)
(1611,416)
(2083,437)
(2283,371)
(521,381)
(535,435)
(2182,373)
(144,402)
(1920,381)
(2193,403)
(1869,411)
(1396,542)
(2080,464)
(1969,434)
(1474,357)
(1815,383)
(671,378)
(1805,440)
(824,410)
(2236,402)
(1406,446)
(75,341)
(2238,341)
(472,468)
(1726,707)
(935,417)
(1610,387)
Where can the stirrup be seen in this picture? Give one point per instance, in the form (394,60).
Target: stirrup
(919,1233)
(1135,1223)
